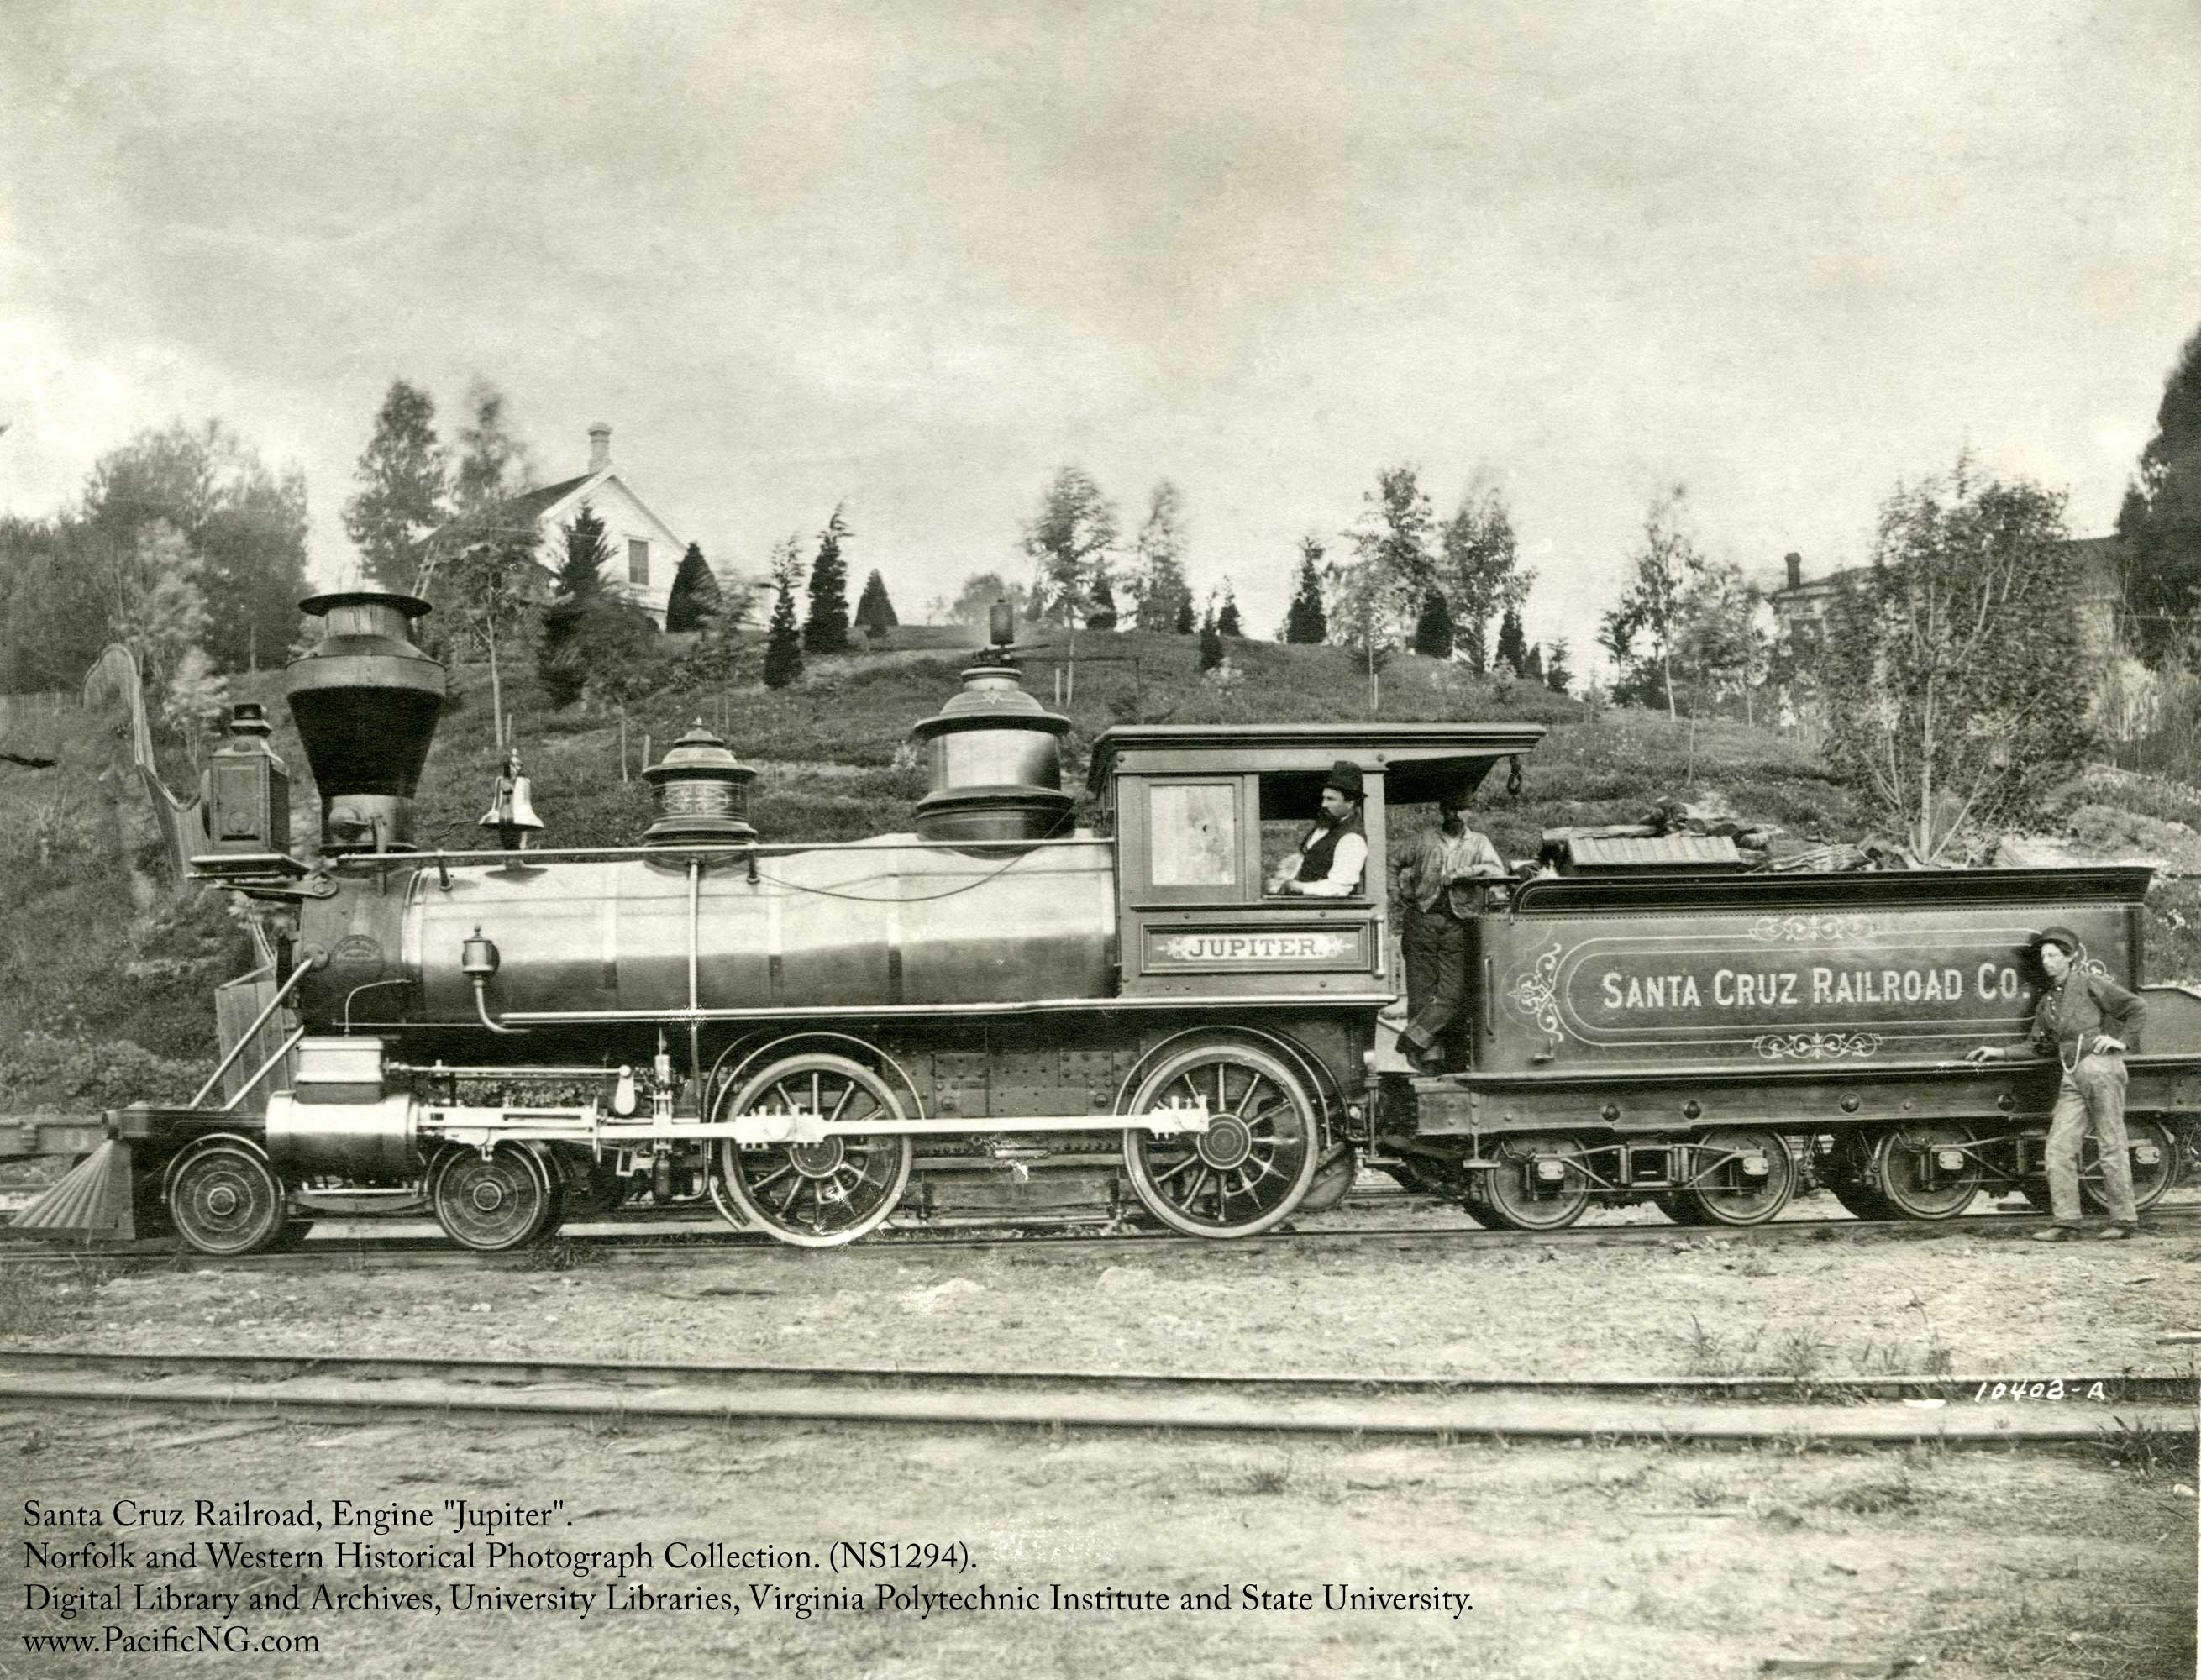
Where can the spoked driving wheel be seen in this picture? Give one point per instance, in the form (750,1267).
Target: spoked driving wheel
(225,1198)
(1739,1178)
(1539,1185)
(1925,1172)
(821,1194)
(1257,1159)
(507,1199)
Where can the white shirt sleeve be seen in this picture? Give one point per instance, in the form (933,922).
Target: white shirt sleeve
(1346,864)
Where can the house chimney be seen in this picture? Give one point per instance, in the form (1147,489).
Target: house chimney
(600,447)
(1795,569)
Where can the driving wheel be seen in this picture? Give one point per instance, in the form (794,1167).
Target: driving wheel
(1257,1159)
(822,1194)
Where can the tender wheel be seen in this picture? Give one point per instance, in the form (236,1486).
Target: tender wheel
(1256,1160)
(225,1198)
(2150,1179)
(1724,1189)
(814,1195)
(1906,1173)
(1540,1184)
(506,1200)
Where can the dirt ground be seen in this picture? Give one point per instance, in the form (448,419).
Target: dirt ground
(1967,1299)
(1616,1562)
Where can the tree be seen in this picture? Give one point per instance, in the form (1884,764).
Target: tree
(1157,581)
(1068,543)
(695,598)
(1432,628)
(1211,640)
(1962,647)
(1184,624)
(245,526)
(1666,564)
(1393,566)
(1512,645)
(400,477)
(2161,518)
(489,590)
(1306,625)
(875,613)
(1482,571)
(1227,621)
(1102,613)
(1532,667)
(1719,641)
(493,465)
(974,602)
(782,647)
(562,662)
(825,630)
(1557,677)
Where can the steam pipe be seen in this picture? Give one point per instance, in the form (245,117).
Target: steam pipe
(701,854)
(313,962)
(265,1068)
(481,1008)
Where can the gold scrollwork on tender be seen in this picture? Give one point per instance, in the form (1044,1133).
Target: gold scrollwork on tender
(1815,1046)
(1798,928)
(1535,994)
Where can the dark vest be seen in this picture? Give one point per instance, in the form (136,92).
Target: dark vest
(1320,845)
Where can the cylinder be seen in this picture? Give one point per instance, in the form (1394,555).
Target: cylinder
(375,1141)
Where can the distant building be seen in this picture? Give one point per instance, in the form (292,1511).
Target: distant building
(645,552)
(1801,608)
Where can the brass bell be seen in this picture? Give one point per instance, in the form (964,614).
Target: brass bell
(511,813)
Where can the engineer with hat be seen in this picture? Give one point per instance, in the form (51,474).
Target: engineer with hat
(1440,881)
(2087,1021)
(1332,856)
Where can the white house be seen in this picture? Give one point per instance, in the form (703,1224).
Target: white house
(645,552)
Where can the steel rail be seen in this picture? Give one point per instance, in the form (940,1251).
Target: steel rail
(711,1240)
(1352,1409)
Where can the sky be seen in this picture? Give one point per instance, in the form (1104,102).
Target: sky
(915,257)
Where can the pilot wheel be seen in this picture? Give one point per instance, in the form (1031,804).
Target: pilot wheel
(224,1197)
(504,1200)
(1257,1159)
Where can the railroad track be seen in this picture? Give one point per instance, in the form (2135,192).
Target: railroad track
(708,1239)
(1957,1410)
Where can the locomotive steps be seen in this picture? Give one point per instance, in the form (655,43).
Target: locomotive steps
(2062,1410)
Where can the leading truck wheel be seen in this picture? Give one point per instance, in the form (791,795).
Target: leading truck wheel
(225,1198)
(820,1195)
(1254,1163)
(505,1199)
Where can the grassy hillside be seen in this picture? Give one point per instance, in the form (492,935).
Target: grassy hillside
(104,976)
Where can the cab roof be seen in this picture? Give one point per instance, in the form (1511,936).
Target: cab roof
(1417,761)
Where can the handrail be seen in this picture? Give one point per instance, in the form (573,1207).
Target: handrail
(304,968)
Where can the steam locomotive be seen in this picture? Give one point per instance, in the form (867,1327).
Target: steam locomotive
(1000,1015)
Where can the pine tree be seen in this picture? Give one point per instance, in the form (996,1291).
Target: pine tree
(1557,677)
(1101,613)
(1482,571)
(1512,650)
(825,630)
(1227,621)
(783,646)
(1211,639)
(401,476)
(560,659)
(875,613)
(695,599)
(1158,561)
(1532,668)
(1184,624)
(1306,624)
(1433,627)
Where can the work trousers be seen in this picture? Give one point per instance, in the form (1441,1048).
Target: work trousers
(1436,945)
(2091,1097)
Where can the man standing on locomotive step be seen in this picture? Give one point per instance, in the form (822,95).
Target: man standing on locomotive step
(1333,854)
(2071,1021)
(1437,883)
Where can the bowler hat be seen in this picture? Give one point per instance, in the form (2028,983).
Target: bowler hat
(1345,777)
(2055,936)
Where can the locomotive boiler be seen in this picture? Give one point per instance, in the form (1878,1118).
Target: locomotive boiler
(999,1015)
